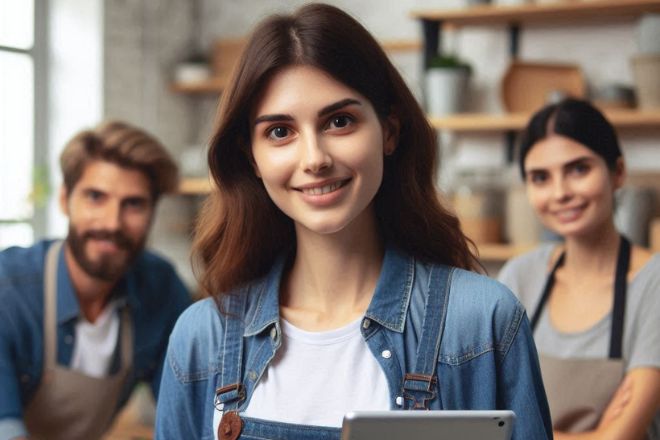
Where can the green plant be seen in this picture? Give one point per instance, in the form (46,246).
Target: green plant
(448,62)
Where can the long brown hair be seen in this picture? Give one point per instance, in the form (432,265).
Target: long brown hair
(240,230)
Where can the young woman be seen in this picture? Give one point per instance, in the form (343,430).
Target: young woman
(339,282)
(594,299)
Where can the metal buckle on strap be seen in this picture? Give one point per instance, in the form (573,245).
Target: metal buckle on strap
(228,393)
(430,381)
(419,389)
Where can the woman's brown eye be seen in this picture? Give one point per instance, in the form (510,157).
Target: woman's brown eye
(340,121)
(279,132)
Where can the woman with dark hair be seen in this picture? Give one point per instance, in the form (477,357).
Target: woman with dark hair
(339,282)
(594,298)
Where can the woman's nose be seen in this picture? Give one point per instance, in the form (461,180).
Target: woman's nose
(315,157)
(561,190)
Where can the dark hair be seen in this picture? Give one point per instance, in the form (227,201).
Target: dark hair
(240,230)
(124,145)
(575,119)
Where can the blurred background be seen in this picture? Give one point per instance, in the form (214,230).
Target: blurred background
(479,68)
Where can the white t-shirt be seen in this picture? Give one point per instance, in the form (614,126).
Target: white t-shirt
(317,377)
(95,343)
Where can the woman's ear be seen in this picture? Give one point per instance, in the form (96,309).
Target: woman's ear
(619,173)
(391,128)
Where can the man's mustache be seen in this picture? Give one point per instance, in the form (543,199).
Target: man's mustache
(117,237)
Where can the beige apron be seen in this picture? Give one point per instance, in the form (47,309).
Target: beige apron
(69,405)
(579,390)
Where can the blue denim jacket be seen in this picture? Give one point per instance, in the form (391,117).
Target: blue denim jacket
(155,294)
(487,358)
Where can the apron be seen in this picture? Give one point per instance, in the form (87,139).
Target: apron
(579,390)
(69,405)
(418,388)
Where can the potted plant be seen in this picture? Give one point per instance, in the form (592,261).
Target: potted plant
(446,85)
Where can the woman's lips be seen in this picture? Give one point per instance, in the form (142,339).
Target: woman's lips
(323,193)
(569,214)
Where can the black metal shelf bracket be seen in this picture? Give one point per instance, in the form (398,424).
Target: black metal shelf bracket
(432,40)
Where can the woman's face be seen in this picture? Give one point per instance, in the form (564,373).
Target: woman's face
(570,186)
(318,147)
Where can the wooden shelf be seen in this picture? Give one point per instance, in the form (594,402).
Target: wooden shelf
(556,11)
(479,122)
(212,86)
(215,86)
(192,186)
(500,252)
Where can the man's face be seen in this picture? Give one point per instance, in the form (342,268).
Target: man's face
(110,211)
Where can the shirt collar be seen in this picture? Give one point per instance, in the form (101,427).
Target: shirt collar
(388,306)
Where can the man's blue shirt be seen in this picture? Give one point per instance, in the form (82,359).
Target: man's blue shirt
(151,289)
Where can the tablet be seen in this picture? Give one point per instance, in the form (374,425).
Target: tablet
(423,425)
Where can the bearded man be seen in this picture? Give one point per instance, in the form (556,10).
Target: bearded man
(83,320)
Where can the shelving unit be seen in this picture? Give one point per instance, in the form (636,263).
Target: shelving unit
(514,16)
(500,252)
(526,13)
(480,122)
(211,86)
(194,186)
(216,85)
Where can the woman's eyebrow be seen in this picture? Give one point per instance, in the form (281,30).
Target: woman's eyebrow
(273,118)
(337,105)
(579,160)
(324,111)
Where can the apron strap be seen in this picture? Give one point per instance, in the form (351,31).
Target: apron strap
(547,289)
(230,391)
(421,386)
(50,305)
(126,339)
(619,306)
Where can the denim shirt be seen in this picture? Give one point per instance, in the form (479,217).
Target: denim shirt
(151,289)
(487,358)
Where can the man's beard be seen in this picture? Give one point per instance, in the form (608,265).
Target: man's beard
(108,267)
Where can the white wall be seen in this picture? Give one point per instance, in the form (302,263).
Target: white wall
(76,83)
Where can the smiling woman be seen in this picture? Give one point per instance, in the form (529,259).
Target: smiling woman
(330,259)
(594,299)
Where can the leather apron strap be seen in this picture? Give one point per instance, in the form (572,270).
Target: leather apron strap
(619,306)
(421,386)
(50,306)
(69,404)
(579,389)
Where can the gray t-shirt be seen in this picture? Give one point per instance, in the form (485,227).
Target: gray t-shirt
(526,276)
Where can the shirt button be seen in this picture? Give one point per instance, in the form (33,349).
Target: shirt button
(273,333)
(399,400)
(386,354)
(252,376)
(366,323)
(68,339)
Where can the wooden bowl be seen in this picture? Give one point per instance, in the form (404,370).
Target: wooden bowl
(526,87)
